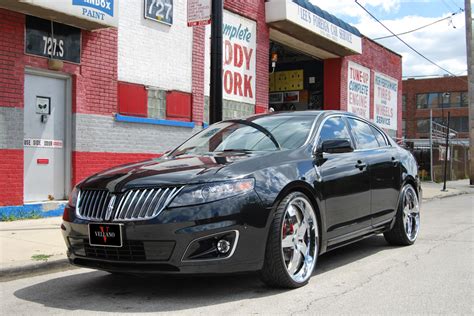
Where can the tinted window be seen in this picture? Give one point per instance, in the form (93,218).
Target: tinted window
(363,134)
(379,136)
(333,128)
(290,133)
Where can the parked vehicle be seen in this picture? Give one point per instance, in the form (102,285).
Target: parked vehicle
(269,194)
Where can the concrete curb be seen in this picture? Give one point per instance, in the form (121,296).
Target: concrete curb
(438,197)
(31,269)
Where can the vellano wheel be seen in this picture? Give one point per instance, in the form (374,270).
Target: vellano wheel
(407,223)
(292,247)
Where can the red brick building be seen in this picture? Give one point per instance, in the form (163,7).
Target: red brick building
(439,96)
(125,96)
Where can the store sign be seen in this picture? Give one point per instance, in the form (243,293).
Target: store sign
(358,90)
(42,143)
(159,10)
(52,40)
(96,9)
(385,101)
(104,12)
(239,57)
(199,12)
(292,12)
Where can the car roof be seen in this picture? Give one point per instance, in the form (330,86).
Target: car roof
(301,113)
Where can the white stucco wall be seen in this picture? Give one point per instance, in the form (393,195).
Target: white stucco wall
(152,53)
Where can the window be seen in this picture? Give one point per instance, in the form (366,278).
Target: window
(423,126)
(289,132)
(379,136)
(404,128)
(333,128)
(427,100)
(459,124)
(404,102)
(450,99)
(464,99)
(363,134)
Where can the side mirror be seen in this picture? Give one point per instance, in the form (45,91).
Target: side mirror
(336,146)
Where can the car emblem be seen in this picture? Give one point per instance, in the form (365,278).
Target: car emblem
(110,207)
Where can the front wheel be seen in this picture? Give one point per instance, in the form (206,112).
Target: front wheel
(293,241)
(407,221)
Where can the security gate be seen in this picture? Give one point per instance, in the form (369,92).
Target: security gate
(44,138)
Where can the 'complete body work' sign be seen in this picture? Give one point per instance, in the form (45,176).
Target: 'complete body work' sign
(239,58)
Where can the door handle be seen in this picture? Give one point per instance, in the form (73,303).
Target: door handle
(395,162)
(360,165)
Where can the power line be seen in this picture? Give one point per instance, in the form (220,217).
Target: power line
(419,28)
(408,45)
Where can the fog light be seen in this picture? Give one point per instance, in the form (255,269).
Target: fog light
(223,246)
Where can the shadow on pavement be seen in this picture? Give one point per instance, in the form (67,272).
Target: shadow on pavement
(99,291)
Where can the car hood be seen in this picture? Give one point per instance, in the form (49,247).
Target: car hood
(169,171)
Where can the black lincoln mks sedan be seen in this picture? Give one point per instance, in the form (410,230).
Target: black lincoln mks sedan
(269,193)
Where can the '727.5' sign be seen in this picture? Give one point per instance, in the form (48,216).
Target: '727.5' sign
(159,10)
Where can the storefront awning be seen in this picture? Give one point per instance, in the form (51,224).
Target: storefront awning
(85,14)
(306,27)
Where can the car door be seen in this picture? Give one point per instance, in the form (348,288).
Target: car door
(344,184)
(383,170)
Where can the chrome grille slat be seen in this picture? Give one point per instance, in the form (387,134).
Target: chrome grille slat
(97,201)
(140,214)
(122,209)
(138,205)
(130,208)
(143,204)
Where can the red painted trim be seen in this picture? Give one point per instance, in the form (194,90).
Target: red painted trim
(41,161)
(332,84)
(178,106)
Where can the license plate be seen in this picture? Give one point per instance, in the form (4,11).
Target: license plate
(109,235)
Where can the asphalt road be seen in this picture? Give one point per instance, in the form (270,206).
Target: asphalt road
(436,275)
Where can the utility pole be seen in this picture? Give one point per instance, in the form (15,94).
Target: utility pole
(470,79)
(446,154)
(215,98)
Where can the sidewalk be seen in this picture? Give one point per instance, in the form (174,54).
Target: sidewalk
(36,246)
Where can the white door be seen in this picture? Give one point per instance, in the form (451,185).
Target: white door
(44,138)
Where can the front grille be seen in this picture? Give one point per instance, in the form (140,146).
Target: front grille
(135,204)
(130,251)
(92,204)
(141,204)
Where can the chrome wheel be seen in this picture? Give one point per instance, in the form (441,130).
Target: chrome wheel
(411,213)
(299,239)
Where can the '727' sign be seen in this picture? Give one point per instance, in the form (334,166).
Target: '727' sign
(159,10)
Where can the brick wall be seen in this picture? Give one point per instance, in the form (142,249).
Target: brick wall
(374,57)
(11,182)
(378,59)
(412,87)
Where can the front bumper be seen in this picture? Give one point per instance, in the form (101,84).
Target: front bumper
(162,245)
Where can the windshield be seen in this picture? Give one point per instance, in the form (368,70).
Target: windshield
(288,132)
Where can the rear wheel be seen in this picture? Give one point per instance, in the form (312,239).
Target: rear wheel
(292,246)
(407,221)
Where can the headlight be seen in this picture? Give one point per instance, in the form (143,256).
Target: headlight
(208,192)
(74,197)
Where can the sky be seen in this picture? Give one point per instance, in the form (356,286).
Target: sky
(444,42)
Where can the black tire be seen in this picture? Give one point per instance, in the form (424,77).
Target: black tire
(398,236)
(274,272)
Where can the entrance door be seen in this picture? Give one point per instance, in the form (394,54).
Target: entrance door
(44,138)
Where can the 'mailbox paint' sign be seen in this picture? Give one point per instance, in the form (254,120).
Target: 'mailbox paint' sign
(239,58)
